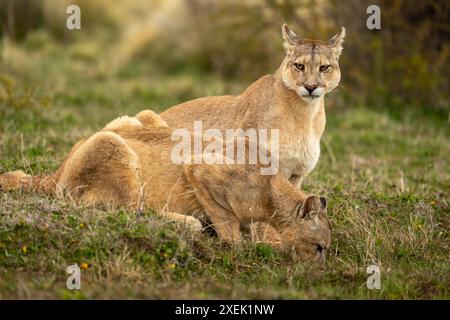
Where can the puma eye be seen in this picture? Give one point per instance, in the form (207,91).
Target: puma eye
(324,67)
(299,66)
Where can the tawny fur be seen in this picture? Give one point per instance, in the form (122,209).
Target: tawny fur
(277,101)
(128,164)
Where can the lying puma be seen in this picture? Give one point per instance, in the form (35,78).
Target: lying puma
(128,163)
(291,100)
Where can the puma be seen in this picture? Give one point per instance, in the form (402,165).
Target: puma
(291,100)
(128,164)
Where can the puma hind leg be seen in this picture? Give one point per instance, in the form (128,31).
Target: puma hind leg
(103,170)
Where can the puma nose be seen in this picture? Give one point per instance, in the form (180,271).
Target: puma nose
(310,87)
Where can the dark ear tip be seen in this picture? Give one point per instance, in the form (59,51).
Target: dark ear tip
(323,202)
(312,203)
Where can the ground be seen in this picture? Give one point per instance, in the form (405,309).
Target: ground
(384,171)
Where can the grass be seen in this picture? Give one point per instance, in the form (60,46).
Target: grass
(386,174)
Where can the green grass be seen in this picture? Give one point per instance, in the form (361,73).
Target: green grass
(386,174)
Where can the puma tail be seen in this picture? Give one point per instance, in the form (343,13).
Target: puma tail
(18,180)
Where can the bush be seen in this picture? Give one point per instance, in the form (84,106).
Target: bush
(403,64)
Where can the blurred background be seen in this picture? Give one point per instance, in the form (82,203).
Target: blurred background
(406,63)
(384,164)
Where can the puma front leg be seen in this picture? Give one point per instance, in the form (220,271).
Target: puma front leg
(263,232)
(225,222)
(192,223)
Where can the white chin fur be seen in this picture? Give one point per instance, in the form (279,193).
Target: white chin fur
(302,91)
(304,94)
(310,99)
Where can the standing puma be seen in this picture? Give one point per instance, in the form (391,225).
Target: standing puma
(291,100)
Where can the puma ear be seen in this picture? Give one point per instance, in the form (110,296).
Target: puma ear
(290,37)
(335,43)
(323,202)
(312,207)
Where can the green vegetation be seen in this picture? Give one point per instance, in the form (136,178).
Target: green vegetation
(384,170)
